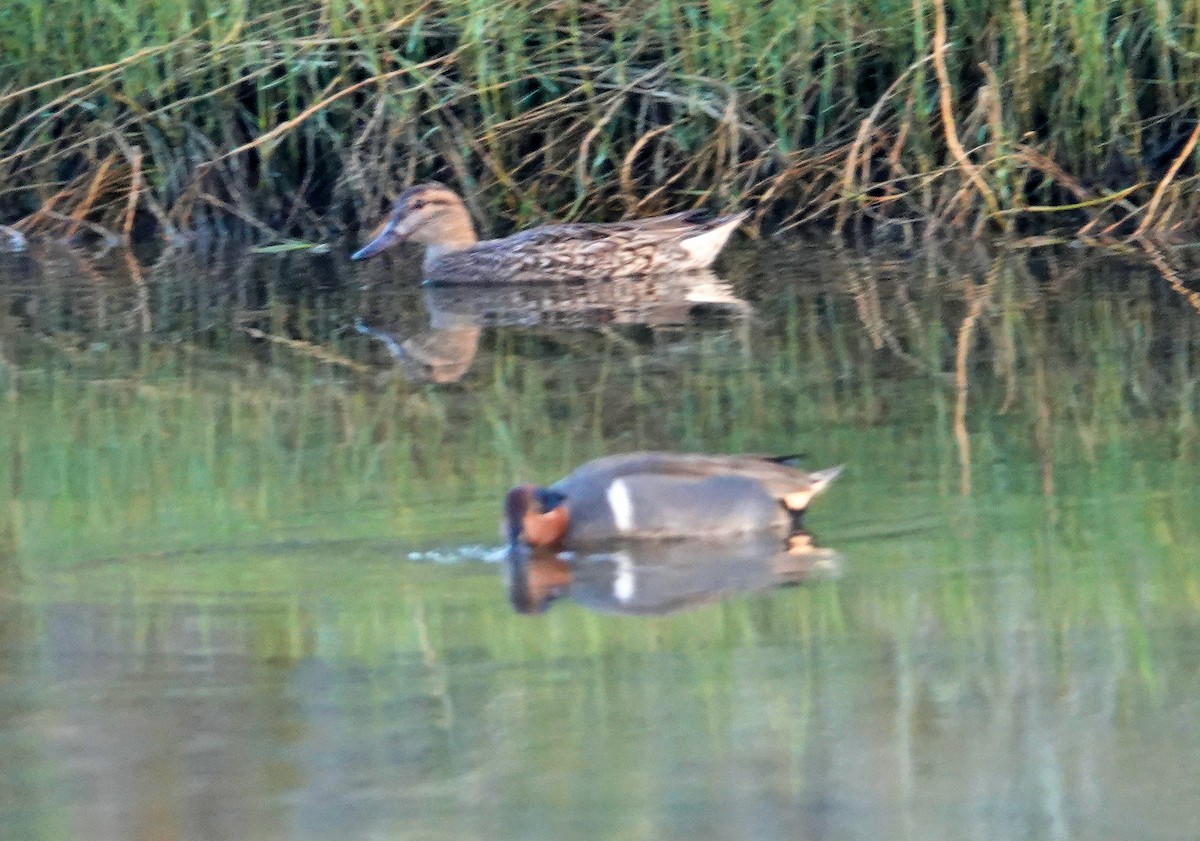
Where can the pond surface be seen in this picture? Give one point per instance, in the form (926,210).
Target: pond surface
(251,583)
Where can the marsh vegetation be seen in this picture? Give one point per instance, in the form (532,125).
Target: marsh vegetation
(275,118)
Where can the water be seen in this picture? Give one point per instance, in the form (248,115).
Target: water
(251,586)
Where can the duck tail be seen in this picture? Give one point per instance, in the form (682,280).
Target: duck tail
(702,247)
(796,501)
(822,478)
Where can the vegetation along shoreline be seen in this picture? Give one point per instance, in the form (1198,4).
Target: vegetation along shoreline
(305,119)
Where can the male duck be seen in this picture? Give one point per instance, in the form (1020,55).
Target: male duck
(436,216)
(663,496)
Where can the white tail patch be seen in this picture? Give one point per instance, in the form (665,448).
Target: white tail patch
(818,482)
(621,505)
(703,248)
(821,478)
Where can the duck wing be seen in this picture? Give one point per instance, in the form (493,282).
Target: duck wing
(580,251)
(780,480)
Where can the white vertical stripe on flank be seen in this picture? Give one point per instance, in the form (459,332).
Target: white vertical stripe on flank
(621,504)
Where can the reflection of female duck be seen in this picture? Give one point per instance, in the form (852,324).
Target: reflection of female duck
(663,300)
(444,352)
(653,578)
(441,355)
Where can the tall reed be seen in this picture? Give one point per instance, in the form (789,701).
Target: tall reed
(292,117)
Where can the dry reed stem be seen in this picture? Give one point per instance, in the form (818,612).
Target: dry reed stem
(156,209)
(135,191)
(1160,191)
(946,103)
(81,210)
(626,172)
(864,128)
(581,166)
(110,238)
(1095,201)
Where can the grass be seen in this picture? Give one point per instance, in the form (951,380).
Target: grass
(285,118)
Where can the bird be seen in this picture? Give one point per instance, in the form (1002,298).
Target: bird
(434,215)
(662,496)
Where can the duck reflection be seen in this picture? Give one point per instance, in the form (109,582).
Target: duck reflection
(457,314)
(439,355)
(650,578)
(653,300)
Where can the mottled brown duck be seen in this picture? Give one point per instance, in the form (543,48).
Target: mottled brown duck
(436,217)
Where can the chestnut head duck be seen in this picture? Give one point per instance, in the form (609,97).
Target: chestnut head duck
(435,216)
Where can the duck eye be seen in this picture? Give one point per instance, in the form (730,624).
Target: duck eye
(416,204)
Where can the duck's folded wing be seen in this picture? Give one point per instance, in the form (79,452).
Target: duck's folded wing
(651,505)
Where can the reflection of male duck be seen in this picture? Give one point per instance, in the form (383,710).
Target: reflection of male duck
(663,577)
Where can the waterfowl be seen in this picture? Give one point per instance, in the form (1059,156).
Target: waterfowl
(435,216)
(658,496)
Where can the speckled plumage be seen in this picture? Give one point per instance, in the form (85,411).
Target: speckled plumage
(433,215)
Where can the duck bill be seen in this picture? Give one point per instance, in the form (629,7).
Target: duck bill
(384,237)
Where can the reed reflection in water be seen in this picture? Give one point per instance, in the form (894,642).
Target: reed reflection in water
(211,487)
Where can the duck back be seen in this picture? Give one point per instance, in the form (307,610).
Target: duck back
(655,506)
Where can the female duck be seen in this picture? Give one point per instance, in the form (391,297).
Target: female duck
(658,496)
(435,216)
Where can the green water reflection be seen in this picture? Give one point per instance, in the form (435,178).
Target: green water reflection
(249,585)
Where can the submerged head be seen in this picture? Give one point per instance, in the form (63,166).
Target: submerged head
(427,213)
(535,516)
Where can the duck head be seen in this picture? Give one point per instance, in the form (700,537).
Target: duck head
(535,516)
(427,213)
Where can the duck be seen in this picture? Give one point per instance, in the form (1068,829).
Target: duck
(663,496)
(435,216)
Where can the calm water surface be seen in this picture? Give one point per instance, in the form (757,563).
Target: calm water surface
(251,586)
